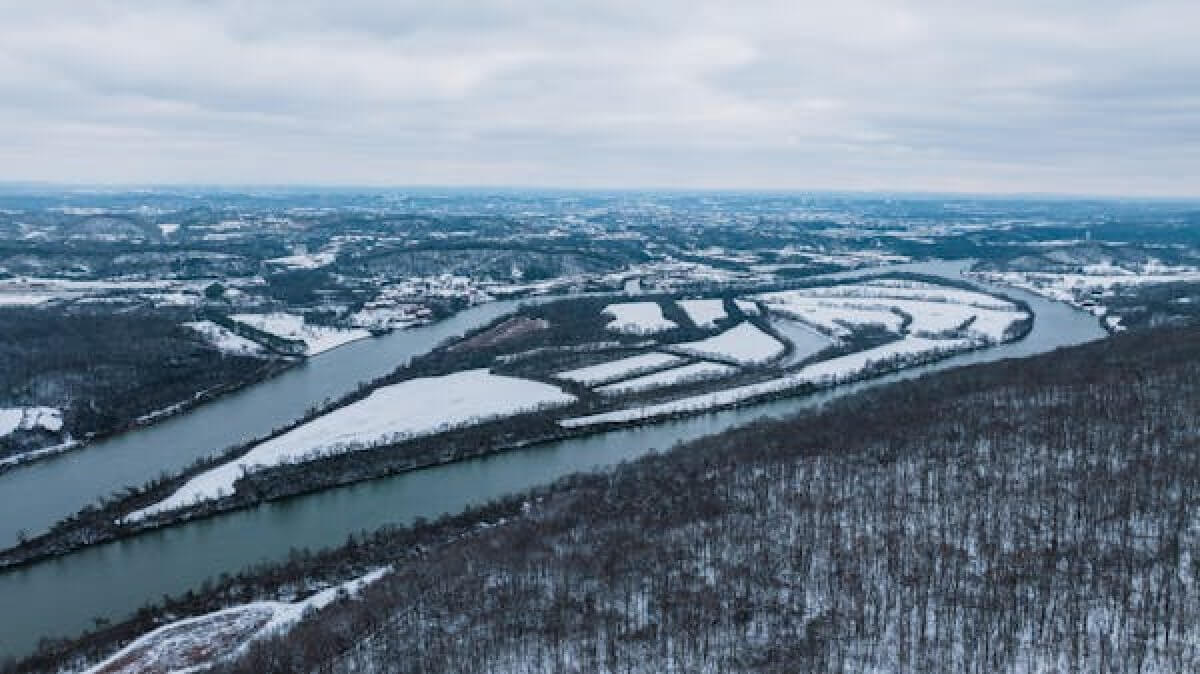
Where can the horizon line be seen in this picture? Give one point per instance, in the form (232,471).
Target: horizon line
(127,187)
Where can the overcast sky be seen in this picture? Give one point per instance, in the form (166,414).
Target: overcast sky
(1075,96)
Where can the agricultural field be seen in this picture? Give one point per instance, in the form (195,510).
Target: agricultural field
(316,338)
(638,318)
(387,415)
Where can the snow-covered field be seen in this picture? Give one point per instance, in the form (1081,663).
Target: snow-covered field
(319,338)
(747,307)
(830,315)
(679,375)
(935,310)
(704,313)
(1074,288)
(744,344)
(195,643)
(912,290)
(30,418)
(638,318)
(806,340)
(825,373)
(224,340)
(389,414)
(620,369)
(24,299)
(308,261)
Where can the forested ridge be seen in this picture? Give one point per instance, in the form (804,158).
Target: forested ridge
(1026,515)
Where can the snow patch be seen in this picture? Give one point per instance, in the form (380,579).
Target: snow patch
(194,643)
(225,340)
(14,419)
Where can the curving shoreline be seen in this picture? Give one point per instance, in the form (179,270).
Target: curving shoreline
(231,540)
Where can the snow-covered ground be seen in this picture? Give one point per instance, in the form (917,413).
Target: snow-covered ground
(306,261)
(638,318)
(806,340)
(1091,283)
(224,340)
(319,338)
(24,299)
(389,414)
(830,315)
(747,307)
(704,313)
(678,375)
(619,369)
(935,310)
(912,290)
(401,316)
(30,418)
(825,373)
(744,344)
(194,643)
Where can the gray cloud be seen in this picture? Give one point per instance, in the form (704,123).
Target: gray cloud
(1020,95)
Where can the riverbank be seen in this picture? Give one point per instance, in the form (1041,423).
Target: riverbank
(568,495)
(61,597)
(271,368)
(110,520)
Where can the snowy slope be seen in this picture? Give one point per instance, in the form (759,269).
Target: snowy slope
(191,643)
(225,340)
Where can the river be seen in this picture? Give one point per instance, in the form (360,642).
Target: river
(60,597)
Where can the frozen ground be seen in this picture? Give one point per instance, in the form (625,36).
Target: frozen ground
(825,373)
(620,369)
(678,375)
(195,643)
(318,338)
(744,344)
(704,313)
(226,341)
(638,318)
(389,414)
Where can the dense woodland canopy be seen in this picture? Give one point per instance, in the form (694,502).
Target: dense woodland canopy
(1020,516)
(105,368)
